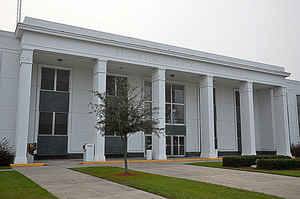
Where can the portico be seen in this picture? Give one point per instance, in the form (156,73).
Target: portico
(209,105)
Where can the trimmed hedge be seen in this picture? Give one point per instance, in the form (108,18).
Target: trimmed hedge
(248,160)
(6,156)
(278,164)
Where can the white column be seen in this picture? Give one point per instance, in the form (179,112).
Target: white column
(100,86)
(207,118)
(158,100)
(247,119)
(23,106)
(281,125)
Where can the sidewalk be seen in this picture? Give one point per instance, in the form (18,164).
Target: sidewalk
(68,184)
(284,186)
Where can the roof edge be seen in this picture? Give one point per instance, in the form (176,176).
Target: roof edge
(58,29)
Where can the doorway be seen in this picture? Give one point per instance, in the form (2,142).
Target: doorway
(175,145)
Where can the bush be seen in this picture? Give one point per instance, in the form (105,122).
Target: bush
(295,150)
(6,156)
(278,164)
(248,160)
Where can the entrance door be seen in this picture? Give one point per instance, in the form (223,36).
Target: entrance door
(148,143)
(53,112)
(175,145)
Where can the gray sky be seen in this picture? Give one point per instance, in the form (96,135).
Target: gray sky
(266,31)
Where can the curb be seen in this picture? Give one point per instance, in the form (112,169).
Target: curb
(148,161)
(28,165)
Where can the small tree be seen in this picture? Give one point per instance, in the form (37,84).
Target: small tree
(123,114)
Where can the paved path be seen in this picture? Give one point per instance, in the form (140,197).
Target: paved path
(284,186)
(69,184)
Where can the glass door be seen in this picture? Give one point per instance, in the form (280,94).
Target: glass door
(175,145)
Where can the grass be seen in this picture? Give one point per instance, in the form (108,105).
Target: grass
(14,185)
(170,187)
(294,173)
(5,167)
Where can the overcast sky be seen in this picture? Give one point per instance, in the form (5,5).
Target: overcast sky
(266,31)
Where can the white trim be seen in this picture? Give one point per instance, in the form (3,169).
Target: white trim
(47,27)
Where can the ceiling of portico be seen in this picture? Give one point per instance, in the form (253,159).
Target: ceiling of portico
(57,59)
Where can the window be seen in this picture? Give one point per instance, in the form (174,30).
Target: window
(55,79)
(112,84)
(298,107)
(112,90)
(54,101)
(174,104)
(148,98)
(238,119)
(215,119)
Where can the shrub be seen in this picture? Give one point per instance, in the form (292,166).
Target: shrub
(295,150)
(278,164)
(248,160)
(6,156)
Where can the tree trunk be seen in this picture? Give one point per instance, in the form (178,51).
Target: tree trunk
(125,155)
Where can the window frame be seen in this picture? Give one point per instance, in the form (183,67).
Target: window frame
(171,103)
(115,82)
(39,89)
(298,111)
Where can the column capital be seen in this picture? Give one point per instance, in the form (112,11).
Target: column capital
(246,86)
(26,56)
(280,91)
(206,81)
(159,74)
(100,66)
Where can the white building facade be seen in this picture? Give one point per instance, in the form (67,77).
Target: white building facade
(209,105)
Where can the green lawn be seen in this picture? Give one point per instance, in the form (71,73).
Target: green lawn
(170,187)
(14,185)
(295,173)
(5,167)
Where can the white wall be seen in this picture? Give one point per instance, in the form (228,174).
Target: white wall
(264,137)
(9,70)
(226,123)
(192,118)
(293,90)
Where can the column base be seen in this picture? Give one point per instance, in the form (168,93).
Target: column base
(100,158)
(21,160)
(213,154)
(162,157)
(285,154)
(248,153)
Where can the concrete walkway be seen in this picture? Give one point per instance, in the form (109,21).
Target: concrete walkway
(284,186)
(68,184)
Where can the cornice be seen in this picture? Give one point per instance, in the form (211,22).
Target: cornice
(148,48)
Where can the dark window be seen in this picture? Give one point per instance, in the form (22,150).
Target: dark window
(48,75)
(45,123)
(61,124)
(110,85)
(215,119)
(54,104)
(51,101)
(168,113)
(62,80)
(168,145)
(298,107)
(148,91)
(178,94)
(238,120)
(168,93)
(178,114)
(174,104)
